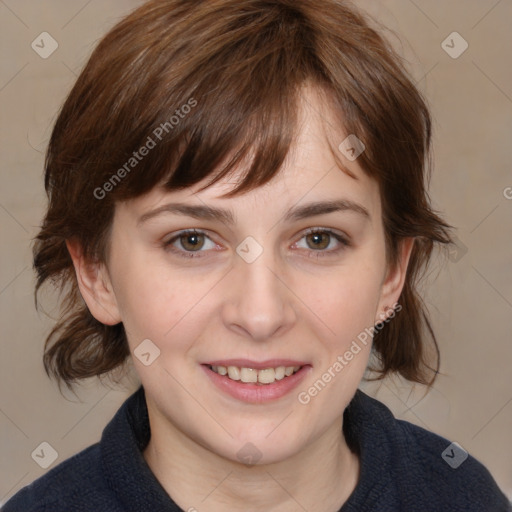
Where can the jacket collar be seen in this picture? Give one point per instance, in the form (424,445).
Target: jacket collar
(368,426)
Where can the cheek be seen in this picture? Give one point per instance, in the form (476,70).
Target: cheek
(347,302)
(155,300)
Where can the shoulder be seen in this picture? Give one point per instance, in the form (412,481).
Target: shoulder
(450,474)
(423,467)
(77,480)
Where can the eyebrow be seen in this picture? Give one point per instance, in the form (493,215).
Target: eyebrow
(204,212)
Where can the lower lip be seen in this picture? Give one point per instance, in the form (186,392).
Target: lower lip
(254,393)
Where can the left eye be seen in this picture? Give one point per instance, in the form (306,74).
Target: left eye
(319,241)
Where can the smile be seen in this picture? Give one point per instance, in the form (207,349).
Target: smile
(252,375)
(256,382)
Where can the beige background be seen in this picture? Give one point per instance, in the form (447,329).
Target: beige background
(471,300)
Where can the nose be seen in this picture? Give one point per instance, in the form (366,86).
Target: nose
(258,304)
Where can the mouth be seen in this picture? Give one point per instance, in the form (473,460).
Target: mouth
(249,375)
(256,382)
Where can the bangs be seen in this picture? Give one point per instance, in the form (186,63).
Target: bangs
(237,103)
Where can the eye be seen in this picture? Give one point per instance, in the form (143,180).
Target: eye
(318,241)
(191,241)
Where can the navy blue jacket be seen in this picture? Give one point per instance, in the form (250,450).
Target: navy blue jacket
(403,468)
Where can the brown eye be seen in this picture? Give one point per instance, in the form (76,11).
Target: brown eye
(323,242)
(189,244)
(192,241)
(319,240)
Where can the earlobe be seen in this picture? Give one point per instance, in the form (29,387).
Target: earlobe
(95,286)
(394,281)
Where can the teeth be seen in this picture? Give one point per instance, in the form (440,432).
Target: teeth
(251,375)
(267,375)
(248,375)
(234,372)
(279,372)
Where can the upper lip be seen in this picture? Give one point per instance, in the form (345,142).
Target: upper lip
(257,365)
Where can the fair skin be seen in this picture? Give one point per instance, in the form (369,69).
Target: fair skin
(304,298)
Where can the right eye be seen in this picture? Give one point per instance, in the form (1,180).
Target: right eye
(191,241)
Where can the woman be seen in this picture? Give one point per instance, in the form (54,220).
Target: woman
(237,205)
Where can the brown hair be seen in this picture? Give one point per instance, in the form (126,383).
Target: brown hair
(201,84)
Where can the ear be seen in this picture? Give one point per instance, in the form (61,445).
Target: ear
(394,281)
(95,286)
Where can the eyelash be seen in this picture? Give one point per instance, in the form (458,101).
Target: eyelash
(344,241)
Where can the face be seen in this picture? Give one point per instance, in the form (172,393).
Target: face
(266,284)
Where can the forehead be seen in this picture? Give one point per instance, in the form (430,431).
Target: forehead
(315,169)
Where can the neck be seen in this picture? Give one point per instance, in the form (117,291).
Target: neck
(319,479)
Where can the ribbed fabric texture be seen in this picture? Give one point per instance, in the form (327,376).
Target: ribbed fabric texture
(402,469)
